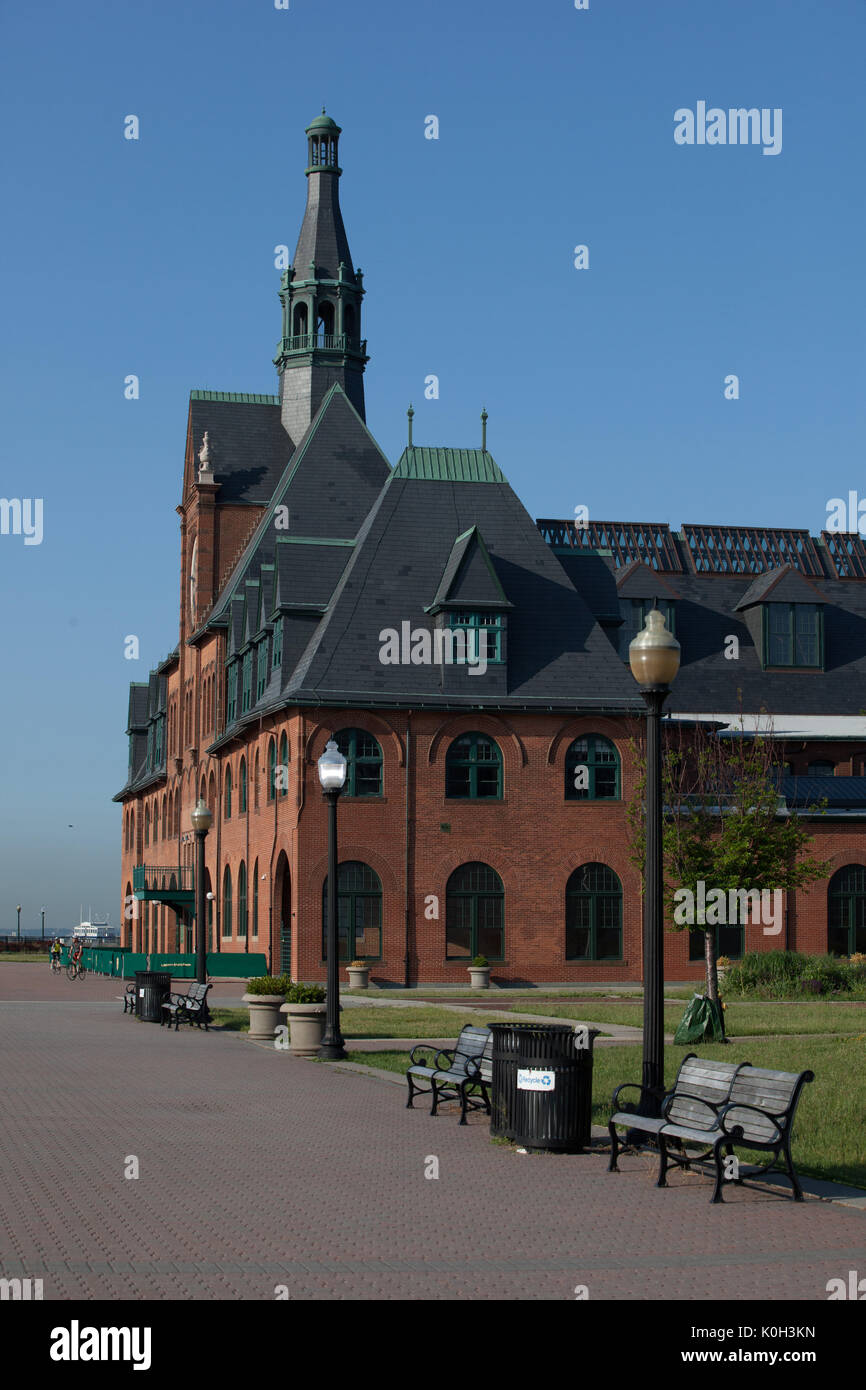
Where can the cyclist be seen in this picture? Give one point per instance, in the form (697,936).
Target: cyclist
(75,951)
(55,954)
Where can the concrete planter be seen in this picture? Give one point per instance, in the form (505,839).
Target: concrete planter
(479,976)
(264,1014)
(306,1027)
(359,977)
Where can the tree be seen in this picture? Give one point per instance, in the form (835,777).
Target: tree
(723,827)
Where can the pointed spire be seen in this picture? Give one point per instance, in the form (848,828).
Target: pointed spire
(411,415)
(484,429)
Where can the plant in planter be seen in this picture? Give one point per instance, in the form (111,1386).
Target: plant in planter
(479,973)
(265,994)
(359,974)
(723,965)
(305,1010)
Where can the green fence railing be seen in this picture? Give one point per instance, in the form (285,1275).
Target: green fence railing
(121,963)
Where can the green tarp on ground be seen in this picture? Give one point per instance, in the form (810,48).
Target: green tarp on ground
(701,1022)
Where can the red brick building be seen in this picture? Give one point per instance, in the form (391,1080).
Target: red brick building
(471,663)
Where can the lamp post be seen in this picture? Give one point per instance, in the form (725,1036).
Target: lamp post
(332,775)
(43,923)
(18,910)
(202,820)
(654,658)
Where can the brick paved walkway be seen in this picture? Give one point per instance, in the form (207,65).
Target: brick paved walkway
(258,1169)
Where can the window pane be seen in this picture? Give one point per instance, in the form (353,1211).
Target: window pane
(605,782)
(607,945)
(457,781)
(457,933)
(488,781)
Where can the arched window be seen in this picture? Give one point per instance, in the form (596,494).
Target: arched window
(227,811)
(363,756)
(242,787)
(256,898)
(846,911)
(242,899)
(211,793)
(164,821)
(474,913)
(284,765)
(473,769)
(592,770)
(359,913)
(156,820)
(300,328)
(272,769)
(147,825)
(227,902)
(593,914)
(326,317)
(202,791)
(256,776)
(349,321)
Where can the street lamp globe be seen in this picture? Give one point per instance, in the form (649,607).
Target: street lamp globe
(654,655)
(202,817)
(332,768)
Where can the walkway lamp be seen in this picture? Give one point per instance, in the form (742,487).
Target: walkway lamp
(654,658)
(202,820)
(332,776)
(18,910)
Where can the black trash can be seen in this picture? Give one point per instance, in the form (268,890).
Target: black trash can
(152,987)
(541,1093)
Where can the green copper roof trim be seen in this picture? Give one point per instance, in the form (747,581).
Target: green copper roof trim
(241,397)
(449,466)
(311,540)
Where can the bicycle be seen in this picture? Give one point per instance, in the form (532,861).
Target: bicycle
(56,967)
(75,970)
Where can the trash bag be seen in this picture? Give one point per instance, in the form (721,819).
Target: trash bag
(701,1022)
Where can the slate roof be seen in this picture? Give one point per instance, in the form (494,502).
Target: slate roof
(248,447)
(322,238)
(840,793)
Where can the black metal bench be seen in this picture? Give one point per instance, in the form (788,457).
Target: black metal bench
(128,998)
(700,1090)
(187,1008)
(454,1072)
(759,1114)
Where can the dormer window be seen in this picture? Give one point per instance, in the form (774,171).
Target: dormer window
(793,635)
(232,693)
(633,612)
(483,634)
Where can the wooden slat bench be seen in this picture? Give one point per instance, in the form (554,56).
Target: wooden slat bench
(759,1114)
(453,1072)
(187,1008)
(699,1092)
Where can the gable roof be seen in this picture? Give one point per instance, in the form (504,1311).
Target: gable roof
(469,576)
(248,447)
(784,585)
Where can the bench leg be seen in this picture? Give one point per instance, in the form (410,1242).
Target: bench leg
(435,1104)
(720,1172)
(463,1101)
(614,1148)
(662,1181)
(409,1105)
(795,1181)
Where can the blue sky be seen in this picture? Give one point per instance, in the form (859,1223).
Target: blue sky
(605,387)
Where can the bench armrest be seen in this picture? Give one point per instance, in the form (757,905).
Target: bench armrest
(632,1086)
(473,1067)
(421,1061)
(448,1054)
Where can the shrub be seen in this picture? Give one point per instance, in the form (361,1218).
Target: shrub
(480,961)
(791,974)
(268,984)
(359,965)
(305,994)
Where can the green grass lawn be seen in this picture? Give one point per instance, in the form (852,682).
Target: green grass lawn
(382,1023)
(27,956)
(829,1127)
(766,1020)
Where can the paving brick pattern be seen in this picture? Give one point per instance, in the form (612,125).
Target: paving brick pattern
(258,1169)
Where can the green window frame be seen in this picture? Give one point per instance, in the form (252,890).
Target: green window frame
(284,763)
(227,795)
(846,911)
(793,635)
(277,647)
(593,914)
(600,758)
(364,762)
(359,913)
(242,899)
(633,612)
(261,668)
(489,627)
(473,769)
(730,942)
(232,692)
(474,913)
(247,686)
(272,769)
(227,902)
(242,787)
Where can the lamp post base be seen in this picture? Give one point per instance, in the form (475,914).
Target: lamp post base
(332,1052)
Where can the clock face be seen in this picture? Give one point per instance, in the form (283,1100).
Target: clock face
(193,579)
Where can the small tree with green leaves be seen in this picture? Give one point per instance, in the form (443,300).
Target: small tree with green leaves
(723,823)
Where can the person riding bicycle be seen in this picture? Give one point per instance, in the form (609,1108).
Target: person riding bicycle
(76,949)
(55,951)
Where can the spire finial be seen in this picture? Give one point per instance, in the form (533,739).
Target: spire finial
(410,413)
(484,429)
(323,110)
